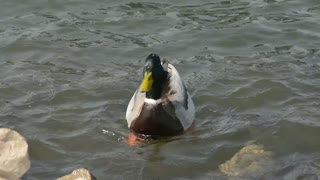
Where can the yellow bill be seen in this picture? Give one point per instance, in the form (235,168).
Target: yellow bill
(147,82)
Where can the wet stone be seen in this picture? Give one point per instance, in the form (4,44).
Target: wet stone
(78,174)
(14,158)
(250,160)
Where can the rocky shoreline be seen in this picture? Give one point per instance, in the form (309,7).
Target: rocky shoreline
(15,161)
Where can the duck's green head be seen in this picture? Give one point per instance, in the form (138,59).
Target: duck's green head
(153,73)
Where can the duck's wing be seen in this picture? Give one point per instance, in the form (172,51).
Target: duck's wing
(176,99)
(135,106)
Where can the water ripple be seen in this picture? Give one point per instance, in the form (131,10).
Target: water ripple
(68,70)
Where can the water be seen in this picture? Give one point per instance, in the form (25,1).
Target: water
(69,68)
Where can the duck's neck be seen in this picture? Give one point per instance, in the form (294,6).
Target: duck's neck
(155,91)
(159,79)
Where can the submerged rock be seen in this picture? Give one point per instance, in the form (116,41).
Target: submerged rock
(14,158)
(79,174)
(251,159)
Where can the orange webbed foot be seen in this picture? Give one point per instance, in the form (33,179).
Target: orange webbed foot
(133,140)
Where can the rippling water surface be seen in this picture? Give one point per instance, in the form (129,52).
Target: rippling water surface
(69,68)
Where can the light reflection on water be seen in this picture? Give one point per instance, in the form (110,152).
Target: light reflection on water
(68,70)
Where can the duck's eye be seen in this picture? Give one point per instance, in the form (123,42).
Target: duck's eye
(148,68)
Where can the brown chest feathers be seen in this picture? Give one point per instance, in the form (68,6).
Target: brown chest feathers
(154,122)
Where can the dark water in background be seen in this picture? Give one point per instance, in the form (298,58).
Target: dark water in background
(69,68)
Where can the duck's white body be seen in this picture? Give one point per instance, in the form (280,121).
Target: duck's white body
(169,115)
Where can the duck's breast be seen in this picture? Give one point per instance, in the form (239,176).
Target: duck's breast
(154,122)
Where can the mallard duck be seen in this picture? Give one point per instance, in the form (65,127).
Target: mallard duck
(161,106)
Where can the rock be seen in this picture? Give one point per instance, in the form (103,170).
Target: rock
(79,174)
(250,159)
(14,158)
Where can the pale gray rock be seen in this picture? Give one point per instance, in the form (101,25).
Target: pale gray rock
(251,159)
(14,157)
(79,174)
